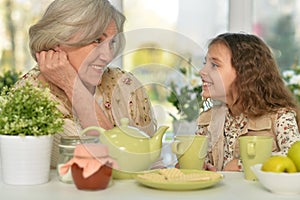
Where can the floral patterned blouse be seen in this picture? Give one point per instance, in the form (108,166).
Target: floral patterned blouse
(120,95)
(286,132)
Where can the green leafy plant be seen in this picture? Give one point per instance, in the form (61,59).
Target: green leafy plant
(292,79)
(28,110)
(187,99)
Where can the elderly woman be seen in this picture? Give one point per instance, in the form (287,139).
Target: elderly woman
(73,43)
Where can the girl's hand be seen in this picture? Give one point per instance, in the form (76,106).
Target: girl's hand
(206,166)
(209,167)
(232,166)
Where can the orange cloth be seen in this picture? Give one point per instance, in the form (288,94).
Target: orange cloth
(90,157)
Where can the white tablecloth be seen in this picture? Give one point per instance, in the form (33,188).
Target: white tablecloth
(233,186)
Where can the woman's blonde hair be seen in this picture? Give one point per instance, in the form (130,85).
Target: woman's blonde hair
(63,19)
(259,84)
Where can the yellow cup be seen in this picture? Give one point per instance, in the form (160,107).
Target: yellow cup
(190,151)
(254,150)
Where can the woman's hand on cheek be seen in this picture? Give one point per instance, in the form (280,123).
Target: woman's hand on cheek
(56,68)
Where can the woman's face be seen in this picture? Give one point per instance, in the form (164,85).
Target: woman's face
(91,60)
(218,73)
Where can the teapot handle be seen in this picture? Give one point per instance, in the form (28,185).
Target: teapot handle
(92,128)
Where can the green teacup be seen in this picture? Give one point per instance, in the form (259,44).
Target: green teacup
(190,150)
(254,150)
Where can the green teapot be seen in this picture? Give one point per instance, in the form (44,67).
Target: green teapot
(131,148)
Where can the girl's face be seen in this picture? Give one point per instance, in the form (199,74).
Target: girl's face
(91,60)
(218,73)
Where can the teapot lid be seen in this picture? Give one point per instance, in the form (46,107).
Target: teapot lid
(130,130)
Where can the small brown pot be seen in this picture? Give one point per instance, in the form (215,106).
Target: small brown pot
(98,181)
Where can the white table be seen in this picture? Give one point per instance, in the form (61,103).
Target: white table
(233,186)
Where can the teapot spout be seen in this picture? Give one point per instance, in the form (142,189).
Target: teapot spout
(156,140)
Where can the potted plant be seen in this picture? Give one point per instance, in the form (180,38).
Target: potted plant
(28,120)
(187,100)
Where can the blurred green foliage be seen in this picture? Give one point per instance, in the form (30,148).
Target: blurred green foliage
(9,78)
(187,99)
(292,79)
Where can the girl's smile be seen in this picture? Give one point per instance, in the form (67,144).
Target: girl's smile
(218,73)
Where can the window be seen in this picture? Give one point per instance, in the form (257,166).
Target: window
(279,26)
(165,37)
(16,16)
(182,20)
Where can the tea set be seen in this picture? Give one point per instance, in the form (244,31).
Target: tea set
(125,152)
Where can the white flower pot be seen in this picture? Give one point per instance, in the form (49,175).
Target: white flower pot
(25,160)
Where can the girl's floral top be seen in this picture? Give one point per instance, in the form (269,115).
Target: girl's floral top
(286,132)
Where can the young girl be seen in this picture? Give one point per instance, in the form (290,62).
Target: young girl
(249,97)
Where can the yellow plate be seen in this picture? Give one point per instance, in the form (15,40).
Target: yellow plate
(118,174)
(182,185)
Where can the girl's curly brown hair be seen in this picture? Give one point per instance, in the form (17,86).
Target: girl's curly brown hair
(259,84)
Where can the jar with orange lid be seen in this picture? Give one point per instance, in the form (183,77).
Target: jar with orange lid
(66,152)
(86,177)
